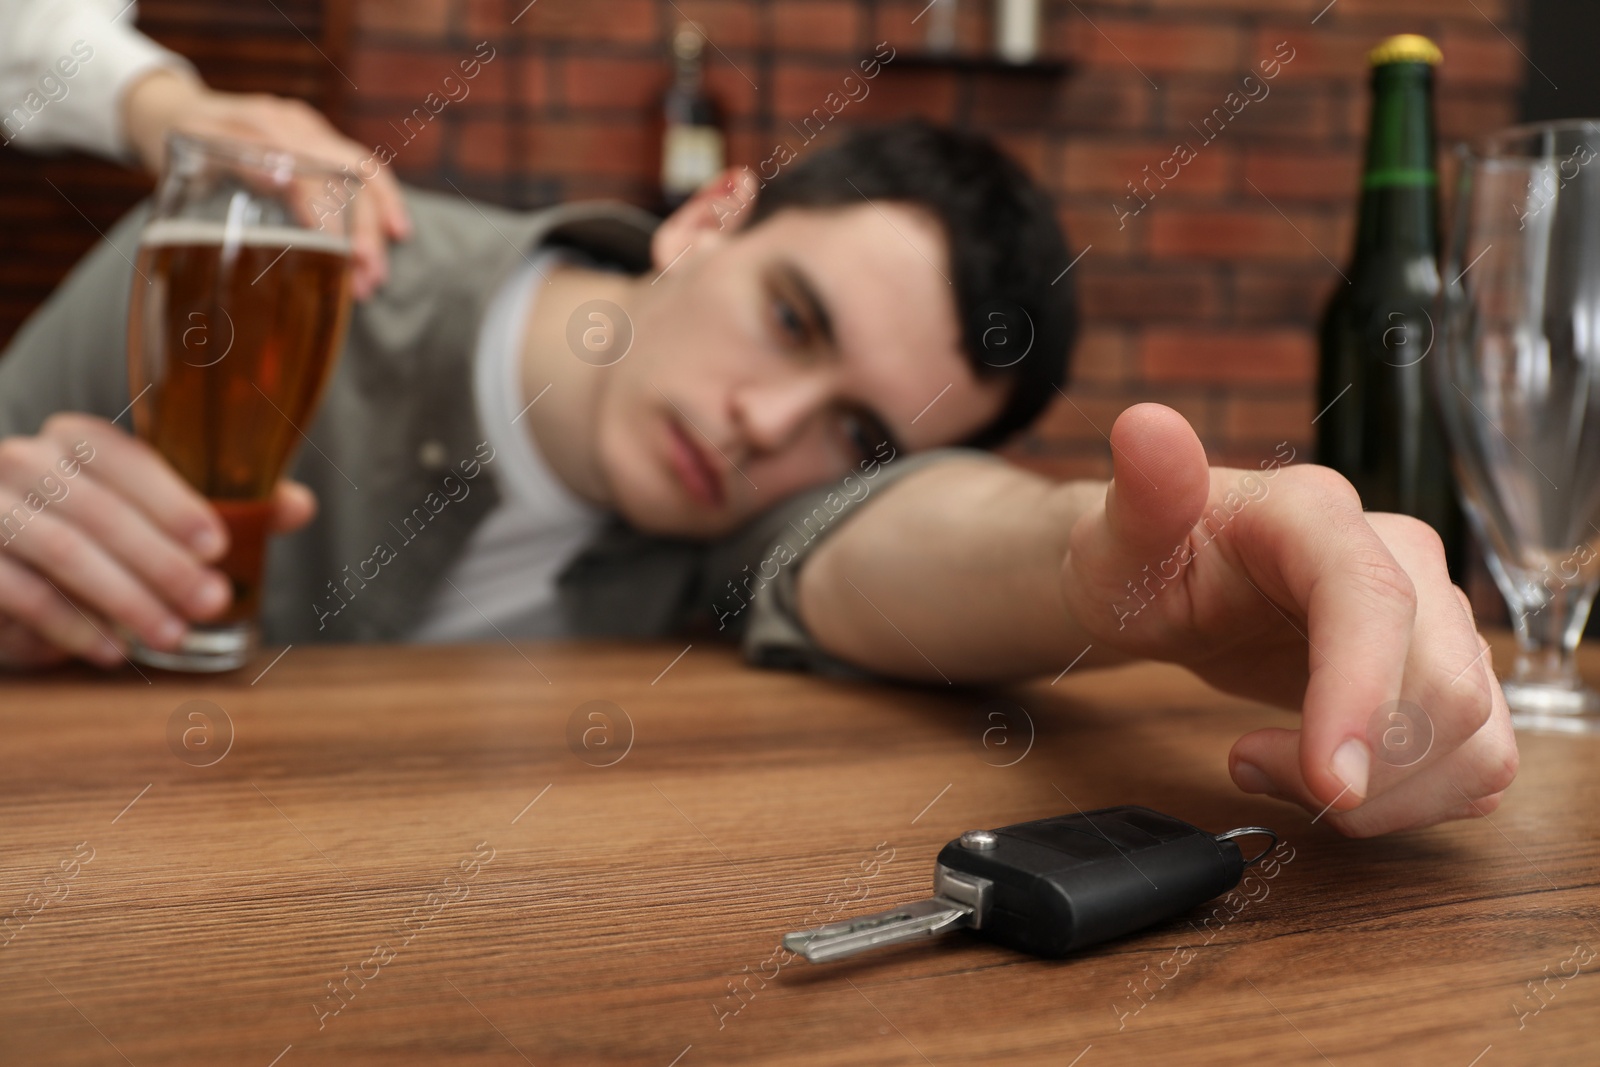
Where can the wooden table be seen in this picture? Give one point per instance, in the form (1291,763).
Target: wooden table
(487,874)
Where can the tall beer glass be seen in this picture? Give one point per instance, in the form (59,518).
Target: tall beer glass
(239,308)
(1519,383)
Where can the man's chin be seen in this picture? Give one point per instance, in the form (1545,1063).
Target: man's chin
(667,511)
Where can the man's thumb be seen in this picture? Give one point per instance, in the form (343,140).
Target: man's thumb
(1159,487)
(294,505)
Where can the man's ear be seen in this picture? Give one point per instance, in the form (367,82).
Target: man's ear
(715,212)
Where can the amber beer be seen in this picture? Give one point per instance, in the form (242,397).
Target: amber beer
(233,331)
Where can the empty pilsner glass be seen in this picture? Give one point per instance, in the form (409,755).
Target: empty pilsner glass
(1518,377)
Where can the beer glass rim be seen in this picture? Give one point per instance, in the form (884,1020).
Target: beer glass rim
(278,162)
(1529,142)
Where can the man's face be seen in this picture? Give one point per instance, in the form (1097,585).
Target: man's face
(777,358)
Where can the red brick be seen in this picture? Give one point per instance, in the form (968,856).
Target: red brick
(1242,234)
(1248,417)
(896,94)
(1281,294)
(797,89)
(612,21)
(1030,150)
(1246,7)
(1479,59)
(1102,357)
(748,148)
(425,19)
(1065,467)
(1249,455)
(1108,101)
(594,82)
(407,76)
(1093,166)
(816,25)
(1086,417)
(1079,418)
(1155,48)
(1290,112)
(1013,102)
(1149,294)
(727,24)
(1223,356)
(1315,52)
(569,147)
(1464,118)
(894,23)
(1091,222)
(731,87)
(416,158)
(482,146)
(1300,174)
(1415,9)
(484,19)
(1357,114)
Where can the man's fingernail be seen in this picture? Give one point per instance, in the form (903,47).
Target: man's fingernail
(209,597)
(1351,762)
(168,633)
(1250,778)
(206,541)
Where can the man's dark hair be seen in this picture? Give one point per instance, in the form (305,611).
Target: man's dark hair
(1007,252)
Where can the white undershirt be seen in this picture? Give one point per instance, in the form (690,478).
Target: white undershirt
(505,580)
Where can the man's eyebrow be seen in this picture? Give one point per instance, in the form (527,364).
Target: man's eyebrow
(816,308)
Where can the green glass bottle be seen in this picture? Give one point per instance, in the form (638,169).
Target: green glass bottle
(1378,421)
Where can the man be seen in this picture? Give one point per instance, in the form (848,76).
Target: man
(765,453)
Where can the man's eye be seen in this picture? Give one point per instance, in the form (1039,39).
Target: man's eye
(862,432)
(793,329)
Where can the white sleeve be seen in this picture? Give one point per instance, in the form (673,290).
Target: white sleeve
(64,65)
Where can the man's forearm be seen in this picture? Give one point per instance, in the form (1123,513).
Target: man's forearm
(953,575)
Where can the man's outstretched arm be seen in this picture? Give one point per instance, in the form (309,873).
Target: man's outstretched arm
(1272,584)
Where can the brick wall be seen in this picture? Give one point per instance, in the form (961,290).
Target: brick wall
(1204,300)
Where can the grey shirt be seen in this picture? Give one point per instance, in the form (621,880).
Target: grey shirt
(397,459)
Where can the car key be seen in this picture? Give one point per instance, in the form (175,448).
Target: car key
(1052,886)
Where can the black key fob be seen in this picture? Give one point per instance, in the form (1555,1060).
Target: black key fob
(1053,886)
(1057,885)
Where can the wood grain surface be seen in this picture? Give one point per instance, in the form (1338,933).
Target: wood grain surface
(437,856)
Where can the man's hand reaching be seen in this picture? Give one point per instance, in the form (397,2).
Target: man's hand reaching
(1273,584)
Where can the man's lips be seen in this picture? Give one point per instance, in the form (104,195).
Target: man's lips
(701,477)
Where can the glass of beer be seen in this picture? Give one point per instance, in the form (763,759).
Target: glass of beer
(239,307)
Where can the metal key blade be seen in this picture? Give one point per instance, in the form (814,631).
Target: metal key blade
(906,923)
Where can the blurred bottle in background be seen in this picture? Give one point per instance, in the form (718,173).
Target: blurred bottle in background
(1016,30)
(1378,422)
(693,149)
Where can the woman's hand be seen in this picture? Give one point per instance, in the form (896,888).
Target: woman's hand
(166,100)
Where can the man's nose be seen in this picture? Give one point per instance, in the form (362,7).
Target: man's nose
(772,414)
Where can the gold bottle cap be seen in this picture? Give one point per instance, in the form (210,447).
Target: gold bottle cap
(1405,48)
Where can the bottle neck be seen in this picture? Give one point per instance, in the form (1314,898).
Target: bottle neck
(690,75)
(1400,182)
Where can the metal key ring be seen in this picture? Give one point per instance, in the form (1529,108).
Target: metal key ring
(1246,831)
